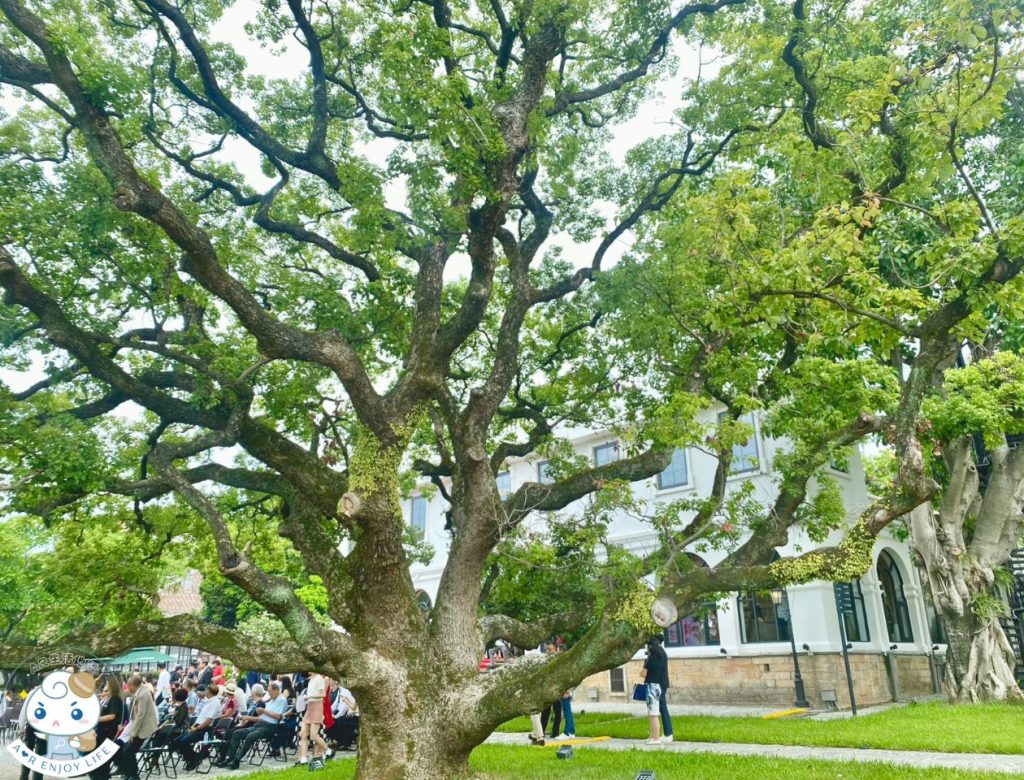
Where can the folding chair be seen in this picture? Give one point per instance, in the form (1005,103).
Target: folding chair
(206,748)
(9,721)
(155,755)
(283,736)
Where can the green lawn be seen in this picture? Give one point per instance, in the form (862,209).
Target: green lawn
(978,728)
(499,762)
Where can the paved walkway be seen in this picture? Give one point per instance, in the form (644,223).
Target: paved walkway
(966,761)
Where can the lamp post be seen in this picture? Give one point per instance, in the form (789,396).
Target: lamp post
(778,595)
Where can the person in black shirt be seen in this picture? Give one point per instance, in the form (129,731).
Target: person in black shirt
(179,712)
(111,715)
(657,683)
(205,675)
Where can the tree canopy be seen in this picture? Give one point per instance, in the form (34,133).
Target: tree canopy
(263,304)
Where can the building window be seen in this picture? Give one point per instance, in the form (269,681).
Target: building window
(745,457)
(675,475)
(857,623)
(418,518)
(606,453)
(617,680)
(894,600)
(935,630)
(504,482)
(761,620)
(544,473)
(700,630)
(840,463)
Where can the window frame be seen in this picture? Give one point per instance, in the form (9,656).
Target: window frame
(841,465)
(420,531)
(899,609)
(497,481)
(686,471)
(621,670)
(608,445)
(755,599)
(758,467)
(704,617)
(543,475)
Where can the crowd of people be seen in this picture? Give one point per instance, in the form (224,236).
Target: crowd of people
(186,709)
(198,713)
(655,688)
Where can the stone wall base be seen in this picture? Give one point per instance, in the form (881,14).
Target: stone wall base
(767,680)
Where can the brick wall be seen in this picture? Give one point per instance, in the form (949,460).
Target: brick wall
(768,680)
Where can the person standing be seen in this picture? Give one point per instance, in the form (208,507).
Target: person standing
(657,670)
(554,709)
(666,719)
(567,718)
(205,674)
(163,684)
(142,722)
(313,719)
(536,730)
(328,713)
(31,741)
(111,713)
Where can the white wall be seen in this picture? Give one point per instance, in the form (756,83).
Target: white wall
(814,614)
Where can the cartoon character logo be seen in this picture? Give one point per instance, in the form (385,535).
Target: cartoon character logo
(65,705)
(66,710)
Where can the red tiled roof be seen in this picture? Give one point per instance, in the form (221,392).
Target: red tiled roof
(182,598)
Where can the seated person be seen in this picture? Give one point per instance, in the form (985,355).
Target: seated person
(246,718)
(228,701)
(261,725)
(207,715)
(178,713)
(346,719)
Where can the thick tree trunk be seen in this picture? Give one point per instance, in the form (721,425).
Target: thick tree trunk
(979,661)
(961,573)
(399,747)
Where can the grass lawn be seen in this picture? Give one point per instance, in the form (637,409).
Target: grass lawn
(977,728)
(499,762)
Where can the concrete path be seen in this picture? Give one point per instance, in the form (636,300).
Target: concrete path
(976,762)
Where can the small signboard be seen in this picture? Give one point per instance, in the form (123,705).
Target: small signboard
(844,597)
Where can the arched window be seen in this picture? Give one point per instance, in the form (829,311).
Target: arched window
(894,600)
(698,630)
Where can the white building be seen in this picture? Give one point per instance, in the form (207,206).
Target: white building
(739,651)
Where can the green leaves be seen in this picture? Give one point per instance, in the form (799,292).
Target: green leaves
(985,397)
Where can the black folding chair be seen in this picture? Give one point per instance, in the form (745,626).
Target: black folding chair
(283,736)
(155,755)
(206,748)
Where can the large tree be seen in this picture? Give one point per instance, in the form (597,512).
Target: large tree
(874,240)
(297,337)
